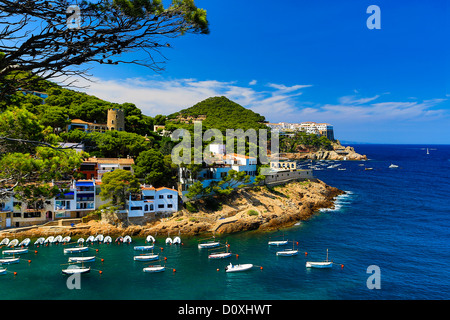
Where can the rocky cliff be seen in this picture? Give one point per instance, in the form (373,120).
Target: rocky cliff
(338,152)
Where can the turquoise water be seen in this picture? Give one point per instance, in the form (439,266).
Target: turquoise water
(397,219)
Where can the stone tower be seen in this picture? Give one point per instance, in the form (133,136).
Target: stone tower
(116,120)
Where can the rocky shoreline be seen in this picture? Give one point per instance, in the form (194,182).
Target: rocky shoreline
(259,208)
(339,153)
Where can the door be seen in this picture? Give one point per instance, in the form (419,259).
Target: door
(8,222)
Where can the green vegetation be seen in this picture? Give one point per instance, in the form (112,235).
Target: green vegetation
(252,213)
(302,141)
(117,185)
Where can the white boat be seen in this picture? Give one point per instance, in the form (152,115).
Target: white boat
(287,253)
(238,267)
(207,245)
(9,260)
(82,259)
(428,151)
(321,264)
(4,242)
(177,240)
(66,239)
(39,241)
(107,239)
(49,239)
(393,166)
(57,239)
(278,243)
(127,239)
(13,243)
(25,242)
(143,248)
(119,239)
(169,240)
(99,238)
(76,270)
(2,271)
(81,240)
(90,239)
(367,169)
(220,255)
(76,249)
(146,257)
(157,268)
(342,169)
(15,251)
(150,239)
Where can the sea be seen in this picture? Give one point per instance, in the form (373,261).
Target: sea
(388,237)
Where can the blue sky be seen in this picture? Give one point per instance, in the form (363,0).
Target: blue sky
(298,60)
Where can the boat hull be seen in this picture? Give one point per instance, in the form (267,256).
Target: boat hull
(287,253)
(82,259)
(17,251)
(319,265)
(208,245)
(9,260)
(219,255)
(239,267)
(143,248)
(76,271)
(278,243)
(146,257)
(2,271)
(75,250)
(154,269)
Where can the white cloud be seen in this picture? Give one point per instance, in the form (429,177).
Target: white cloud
(252,83)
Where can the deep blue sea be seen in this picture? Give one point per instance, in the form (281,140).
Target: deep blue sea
(396,219)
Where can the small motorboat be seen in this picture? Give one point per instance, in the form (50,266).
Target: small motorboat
(146,257)
(76,249)
(177,240)
(287,253)
(57,239)
(25,242)
(150,239)
(157,268)
(143,248)
(238,267)
(2,271)
(76,270)
(9,260)
(278,243)
(80,241)
(107,239)
(82,259)
(39,241)
(368,169)
(127,239)
(90,239)
(66,239)
(220,255)
(119,239)
(4,242)
(99,238)
(169,240)
(393,166)
(15,251)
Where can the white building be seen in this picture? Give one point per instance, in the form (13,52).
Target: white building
(153,201)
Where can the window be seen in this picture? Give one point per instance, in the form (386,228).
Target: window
(169,196)
(135,208)
(146,207)
(35,214)
(161,196)
(151,207)
(160,206)
(149,197)
(169,205)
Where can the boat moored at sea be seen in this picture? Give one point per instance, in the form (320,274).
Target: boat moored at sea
(82,259)
(24,242)
(157,268)
(127,239)
(15,251)
(278,243)
(9,260)
(76,270)
(76,249)
(13,243)
(320,264)
(2,271)
(39,241)
(107,239)
(238,267)
(150,239)
(4,242)
(146,257)
(143,248)
(220,255)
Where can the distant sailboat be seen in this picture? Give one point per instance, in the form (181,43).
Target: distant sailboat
(428,151)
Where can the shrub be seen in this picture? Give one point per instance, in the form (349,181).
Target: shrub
(252,213)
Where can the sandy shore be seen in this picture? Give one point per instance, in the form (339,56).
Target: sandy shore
(260,208)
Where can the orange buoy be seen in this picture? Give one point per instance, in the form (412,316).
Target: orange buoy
(102,260)
(29,261)
(237,256)
(306,253)
(174,270)
(165,258)
(342,266)
(100,271)
(217,269)
(162,248)
(15,273)
(261,268)
(35,251)
(96,250)
(297,242)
